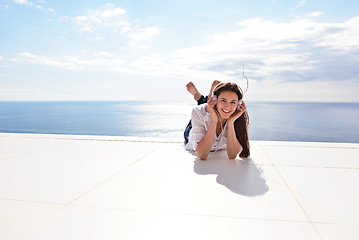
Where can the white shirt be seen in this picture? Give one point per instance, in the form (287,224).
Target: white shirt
(201,120)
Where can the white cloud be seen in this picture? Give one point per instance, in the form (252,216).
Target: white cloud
(295,55)
(102,18)
(300,50)
(113,20)
(34,94)
(315,14)
(301,3)
(125,26)
(23,2)
(112,12)
(9,93)
(98,60)
(26,2)
(102,54)
(324,91)
(1,58)
(42,60)
(145,34)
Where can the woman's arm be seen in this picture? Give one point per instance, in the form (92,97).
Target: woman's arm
(233,145)
(205,145)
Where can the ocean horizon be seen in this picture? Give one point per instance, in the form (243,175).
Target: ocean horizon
(269,121)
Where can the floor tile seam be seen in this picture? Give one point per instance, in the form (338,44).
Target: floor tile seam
(21,155)
(121,140)
(112,175)
(207,162)
(300,166)
(292,193)
(337,223)
(94,139)
(187,213)
(63,206)
(38,222)
(32,201)
(320,167)
(14,156)
(321,147)
(175,140)
(35,152)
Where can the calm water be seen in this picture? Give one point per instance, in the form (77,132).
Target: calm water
(313,122)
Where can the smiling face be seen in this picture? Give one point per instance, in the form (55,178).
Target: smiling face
(227,104)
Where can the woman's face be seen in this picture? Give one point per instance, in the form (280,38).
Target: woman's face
(227,104)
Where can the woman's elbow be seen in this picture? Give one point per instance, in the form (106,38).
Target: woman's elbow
(202,156)
(232,156)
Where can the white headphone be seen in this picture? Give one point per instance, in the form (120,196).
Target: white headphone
(215,97)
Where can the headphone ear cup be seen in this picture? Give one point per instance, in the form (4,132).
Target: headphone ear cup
(215,99)
(239,103)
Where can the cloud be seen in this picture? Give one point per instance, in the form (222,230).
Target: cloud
(102,54)
(146,34)
(98,60)
(112,12)
(25,2)
(28,93)
(42,60)
(298,54)
(108,17)
(315,14)
(125,26)
(300,50)
(1,58)
(301,3)
(113,19)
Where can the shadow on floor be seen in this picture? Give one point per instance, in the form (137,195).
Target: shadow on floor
(240,176)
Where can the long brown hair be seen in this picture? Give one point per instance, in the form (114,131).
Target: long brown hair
(241,123)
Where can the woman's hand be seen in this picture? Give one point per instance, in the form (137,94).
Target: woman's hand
(212,109)
(242,108)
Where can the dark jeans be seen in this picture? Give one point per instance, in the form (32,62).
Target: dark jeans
(189,126)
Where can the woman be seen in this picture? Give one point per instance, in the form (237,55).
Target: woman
(219,124)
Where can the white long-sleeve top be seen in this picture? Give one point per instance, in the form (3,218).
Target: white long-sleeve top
(201,120)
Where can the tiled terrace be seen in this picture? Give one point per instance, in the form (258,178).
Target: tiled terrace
(98,187)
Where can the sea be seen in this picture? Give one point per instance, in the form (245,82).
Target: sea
(269,121)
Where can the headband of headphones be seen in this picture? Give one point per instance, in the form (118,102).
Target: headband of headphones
(215,97)
(240,89)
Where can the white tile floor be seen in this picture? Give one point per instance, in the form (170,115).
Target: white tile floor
(93,187)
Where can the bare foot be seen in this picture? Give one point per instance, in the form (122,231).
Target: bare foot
(214,84)
(193,90)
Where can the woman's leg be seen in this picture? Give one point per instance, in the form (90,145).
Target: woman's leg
(197,96)
(200,100)
(186,132)
(193,90)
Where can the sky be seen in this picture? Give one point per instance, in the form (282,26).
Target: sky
(300,50)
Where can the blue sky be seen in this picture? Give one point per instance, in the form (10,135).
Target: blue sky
(301,50)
